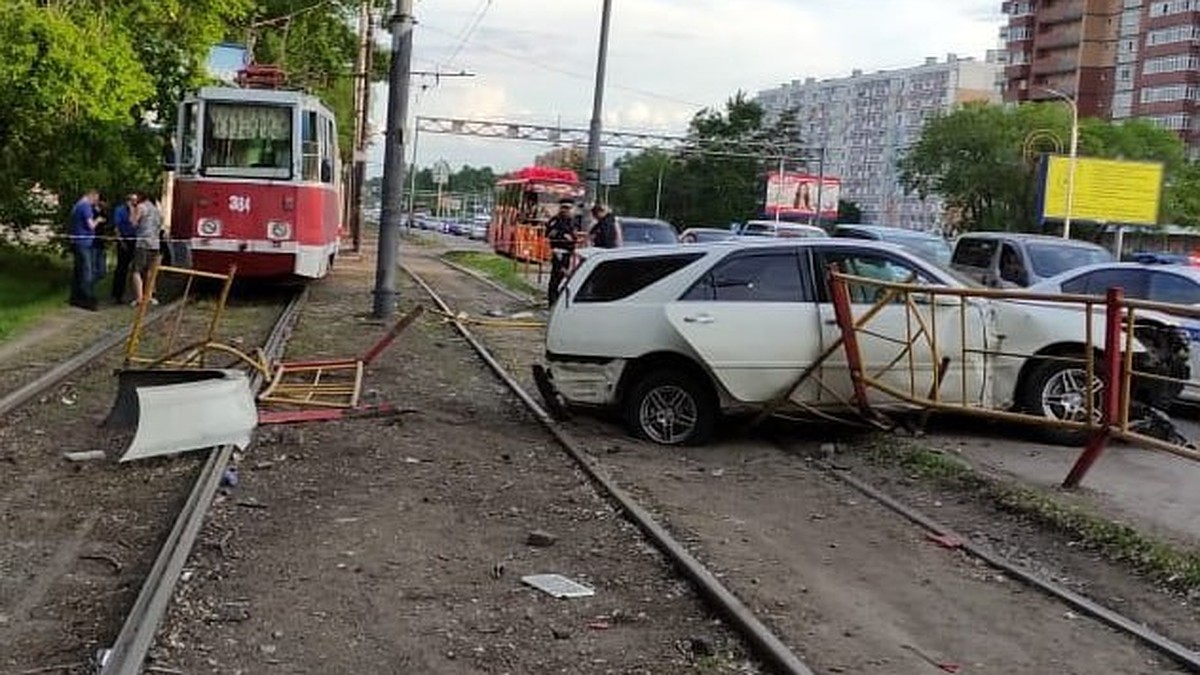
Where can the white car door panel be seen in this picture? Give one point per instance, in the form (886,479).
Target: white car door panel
(752,321)
(755,349)
(897,344)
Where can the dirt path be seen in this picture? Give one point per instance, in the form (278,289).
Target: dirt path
(398,545)
(849,585)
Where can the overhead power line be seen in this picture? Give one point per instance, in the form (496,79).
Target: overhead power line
(562,71)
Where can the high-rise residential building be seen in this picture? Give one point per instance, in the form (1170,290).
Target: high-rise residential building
(1119,58)
(866,121)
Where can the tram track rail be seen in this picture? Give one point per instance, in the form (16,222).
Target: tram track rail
(128,652)
(1151,638)
(55,375)
(765,644)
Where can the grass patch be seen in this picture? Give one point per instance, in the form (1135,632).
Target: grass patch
(418,238)
(503,271)
(32,283)
(1174,567)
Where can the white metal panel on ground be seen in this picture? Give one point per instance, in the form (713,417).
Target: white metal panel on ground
(181,417)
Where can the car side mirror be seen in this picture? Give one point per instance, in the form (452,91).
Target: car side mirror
(326,171)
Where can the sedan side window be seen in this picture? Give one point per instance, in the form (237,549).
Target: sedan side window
(752,277)
(974,253)
(1167,287)
(868,265)
(1132,281)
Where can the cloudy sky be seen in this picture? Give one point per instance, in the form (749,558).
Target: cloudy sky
(534,60)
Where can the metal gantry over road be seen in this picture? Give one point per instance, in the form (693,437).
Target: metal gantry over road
(629,140)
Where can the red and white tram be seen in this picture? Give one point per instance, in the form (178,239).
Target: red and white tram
(256,184)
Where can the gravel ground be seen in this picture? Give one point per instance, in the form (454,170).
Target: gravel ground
(77,539)
(399,544)
(850,586)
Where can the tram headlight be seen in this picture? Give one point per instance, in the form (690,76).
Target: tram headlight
(279,230)
(209,227)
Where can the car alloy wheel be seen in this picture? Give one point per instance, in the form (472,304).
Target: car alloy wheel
(1065,395)
(668,414)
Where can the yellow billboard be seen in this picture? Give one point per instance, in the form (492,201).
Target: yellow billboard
(1106,190)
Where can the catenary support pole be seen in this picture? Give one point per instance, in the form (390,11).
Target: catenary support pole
(362,85)
(594,131)
(400,76)
(820,187)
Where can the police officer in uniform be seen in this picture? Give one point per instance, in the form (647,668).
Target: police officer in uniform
(561,231)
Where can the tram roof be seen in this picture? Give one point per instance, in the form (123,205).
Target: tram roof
(273,96)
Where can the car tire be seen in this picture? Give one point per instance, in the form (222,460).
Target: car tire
(670,408)
(1055,389)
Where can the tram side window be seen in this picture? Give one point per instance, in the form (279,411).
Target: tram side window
(310,147)
(190,126)
(328,142)
(248,140)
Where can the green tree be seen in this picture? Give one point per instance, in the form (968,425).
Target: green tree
(982,159)
(705,189)
(66,104)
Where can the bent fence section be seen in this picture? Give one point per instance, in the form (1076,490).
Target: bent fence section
(1116,364)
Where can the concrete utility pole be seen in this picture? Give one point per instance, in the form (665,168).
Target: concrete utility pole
(592,177)
(401,24)
(362,115)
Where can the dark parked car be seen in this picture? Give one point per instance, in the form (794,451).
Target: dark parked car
(646,232)
(1018,260)
(931,247)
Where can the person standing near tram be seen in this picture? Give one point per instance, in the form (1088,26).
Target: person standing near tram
(561,231)
(82,230)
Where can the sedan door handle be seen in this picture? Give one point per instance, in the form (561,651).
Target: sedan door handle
(699,318)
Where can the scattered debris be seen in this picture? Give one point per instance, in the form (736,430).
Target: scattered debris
(229,478)
(100,557)
(541,539)
(945,540)
(944,666)
(86,456)
(560,633)
(557,586)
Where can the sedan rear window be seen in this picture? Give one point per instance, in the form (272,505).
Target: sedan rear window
(616,279)
(1050,260)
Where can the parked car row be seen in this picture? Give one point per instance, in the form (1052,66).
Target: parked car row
(472,227)
(674,335)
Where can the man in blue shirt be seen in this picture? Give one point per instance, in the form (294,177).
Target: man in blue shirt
(126,244)
(83,234)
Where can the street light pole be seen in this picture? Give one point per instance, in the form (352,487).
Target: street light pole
(593,150)
(658,192)
(1074,156)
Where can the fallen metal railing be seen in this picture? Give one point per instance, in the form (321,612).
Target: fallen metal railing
(915,375)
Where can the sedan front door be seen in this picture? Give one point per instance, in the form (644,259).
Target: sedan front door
(897,344)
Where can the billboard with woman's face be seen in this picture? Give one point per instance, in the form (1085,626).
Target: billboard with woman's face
(797,194)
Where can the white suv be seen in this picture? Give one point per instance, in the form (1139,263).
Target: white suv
(672,336)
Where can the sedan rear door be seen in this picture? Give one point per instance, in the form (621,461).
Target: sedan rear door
(752,320)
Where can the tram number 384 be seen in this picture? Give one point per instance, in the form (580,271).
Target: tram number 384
(239,203)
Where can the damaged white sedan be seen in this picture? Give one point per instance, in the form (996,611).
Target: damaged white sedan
(673,337)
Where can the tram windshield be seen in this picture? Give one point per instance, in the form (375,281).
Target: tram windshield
(248,141)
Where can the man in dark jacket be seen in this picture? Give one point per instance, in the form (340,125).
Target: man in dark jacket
(605,233)
(561,232)
(126,242)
